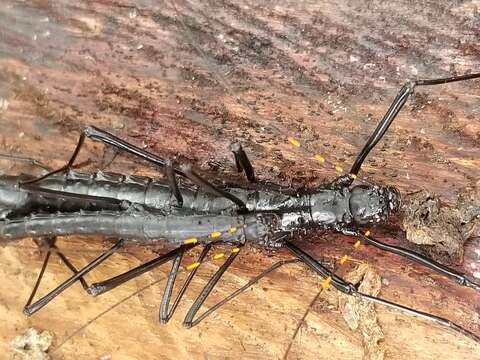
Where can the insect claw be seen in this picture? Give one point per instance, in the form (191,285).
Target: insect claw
(471,284)
(95,289)
(27,311)
(187,325)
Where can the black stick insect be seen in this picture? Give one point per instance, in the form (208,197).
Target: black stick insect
(134,209)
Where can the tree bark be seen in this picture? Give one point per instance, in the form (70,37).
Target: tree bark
(184,79)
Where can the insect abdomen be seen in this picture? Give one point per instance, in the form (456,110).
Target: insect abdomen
(138,226)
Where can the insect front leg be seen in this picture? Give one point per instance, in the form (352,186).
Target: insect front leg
(461,278)
(350,289)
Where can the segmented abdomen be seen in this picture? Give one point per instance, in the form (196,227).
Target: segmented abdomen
(140,190)
(140,226)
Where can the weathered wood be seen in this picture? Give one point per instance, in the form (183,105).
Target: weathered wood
(185,79)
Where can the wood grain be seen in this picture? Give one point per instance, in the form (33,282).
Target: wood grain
(186,78)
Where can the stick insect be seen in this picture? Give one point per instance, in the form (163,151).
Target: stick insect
(63,202)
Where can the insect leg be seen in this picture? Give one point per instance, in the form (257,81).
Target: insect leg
(420,259)
(39,278)
(242,161)
(107,138)
(105,202)
(165,314)
(350,289)
(237,292)
(50,242)
(32,308)
(107,285)
(200,181)
(69,164)
(100,135)
(393,111)
(188,322)
(53,247)
(172,182)
(25,160)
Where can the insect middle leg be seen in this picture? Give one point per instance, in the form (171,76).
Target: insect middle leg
(165,314)
(188,322)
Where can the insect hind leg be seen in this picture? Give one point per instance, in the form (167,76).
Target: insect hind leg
(105,137)
(101,287)
(51,247)
(30,308)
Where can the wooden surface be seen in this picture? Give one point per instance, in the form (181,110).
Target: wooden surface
(185,79)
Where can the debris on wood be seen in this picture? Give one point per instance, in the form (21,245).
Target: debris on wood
(32,345)
(441,229)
